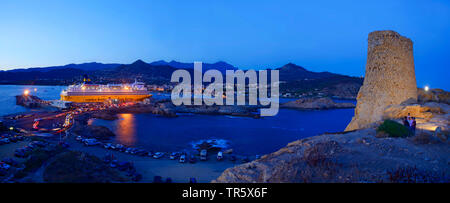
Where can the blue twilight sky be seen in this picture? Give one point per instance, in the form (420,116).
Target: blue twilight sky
(319,35)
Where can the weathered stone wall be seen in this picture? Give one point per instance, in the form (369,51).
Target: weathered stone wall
(390,77)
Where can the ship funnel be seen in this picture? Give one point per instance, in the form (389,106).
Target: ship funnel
(86,79)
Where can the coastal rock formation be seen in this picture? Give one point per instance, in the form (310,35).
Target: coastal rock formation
(433,95)
(233,110)
(356,157)
(390,78)
(82,128)
(429,116)
(30,101)
(316,103)
(105,115)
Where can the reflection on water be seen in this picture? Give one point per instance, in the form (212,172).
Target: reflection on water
(125,132)
(246,136)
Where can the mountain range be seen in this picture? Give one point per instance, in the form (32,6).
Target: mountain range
(294,79)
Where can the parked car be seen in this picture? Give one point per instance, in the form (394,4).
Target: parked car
(37,144)
(21,153)
(158,155)
(141,152)
(174,155)
(13,139)
(119,147)
(150,154)
(79,138)
(182,158)
(4,141)
(219,156)
(129,150)
(203,154)
(108,146)
(11,162)
(91,142)
(4,166)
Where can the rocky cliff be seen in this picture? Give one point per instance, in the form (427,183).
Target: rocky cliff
(316,103)
(390,78)
(433,95)
(429,115)
(358,156)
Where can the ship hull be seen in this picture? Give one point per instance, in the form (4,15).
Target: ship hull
(103,98)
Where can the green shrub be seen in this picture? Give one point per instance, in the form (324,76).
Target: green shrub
(394,129)
(40,155)
(37,158)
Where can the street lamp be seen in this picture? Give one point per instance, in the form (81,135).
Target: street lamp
(426,88)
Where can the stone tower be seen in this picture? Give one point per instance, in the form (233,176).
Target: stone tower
(389,79)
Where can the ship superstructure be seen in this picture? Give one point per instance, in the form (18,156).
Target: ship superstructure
(87,92)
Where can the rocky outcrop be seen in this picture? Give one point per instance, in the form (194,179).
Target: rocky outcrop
(429,116)
(316,103)
(433,95)
(30,101)
(357,156)
(389,80)
(105,115)
(81,127)
(234,110)
(93,131)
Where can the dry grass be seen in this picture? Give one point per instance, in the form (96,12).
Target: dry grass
(414,175)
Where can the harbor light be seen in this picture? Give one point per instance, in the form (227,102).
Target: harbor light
(426,88)
(26,92)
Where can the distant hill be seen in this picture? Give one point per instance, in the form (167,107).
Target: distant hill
(139,69)
(83,66)
(60,76)
(221,66)
(294,79)
(292,72)
(299,81)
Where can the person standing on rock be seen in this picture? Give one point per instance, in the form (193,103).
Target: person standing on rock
(410,120)
(405,122)
(413,126)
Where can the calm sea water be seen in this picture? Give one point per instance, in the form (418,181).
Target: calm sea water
(8,93)
(246,136)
